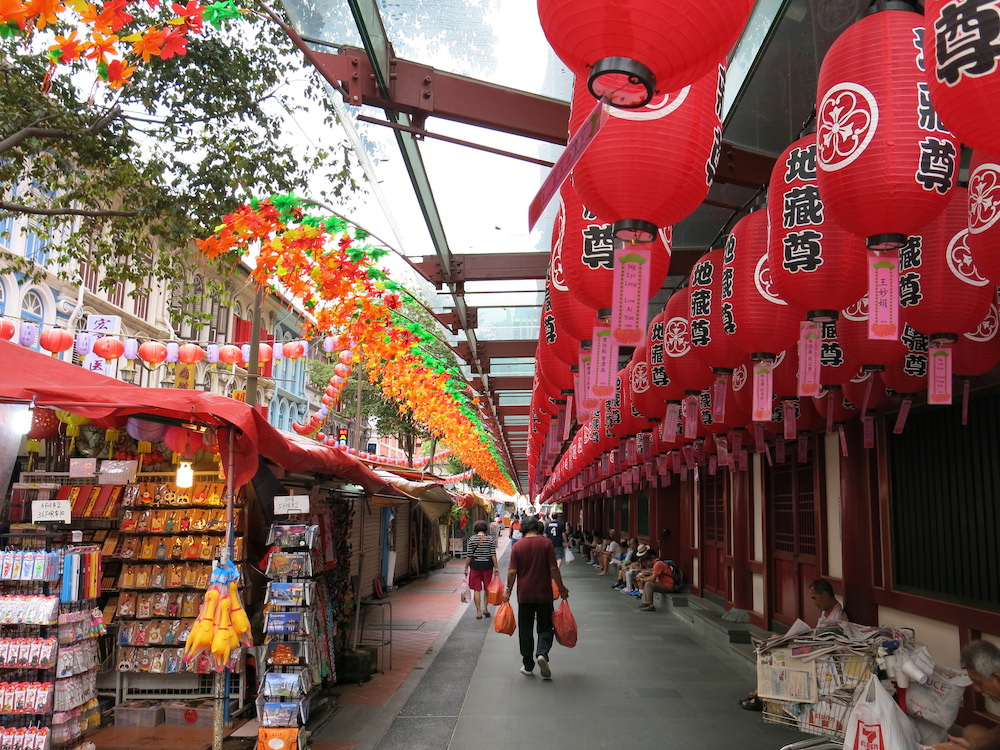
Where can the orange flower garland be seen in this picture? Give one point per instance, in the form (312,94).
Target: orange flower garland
(343,290)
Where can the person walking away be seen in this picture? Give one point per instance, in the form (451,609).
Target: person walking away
(480,565)
(555,530)
(533,567)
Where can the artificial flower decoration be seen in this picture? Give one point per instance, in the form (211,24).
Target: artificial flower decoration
(106,34)
(324,264)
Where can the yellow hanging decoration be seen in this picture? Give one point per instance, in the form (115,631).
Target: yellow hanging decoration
(112,436)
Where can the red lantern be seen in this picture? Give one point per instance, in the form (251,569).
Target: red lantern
(886,165)
(109,348)
(190,354)
(962,73)
(836,365)
(710,339)
(6,330)
(294,349)
(833,406)
(264,353)
(815,265)
(984,214)
(942,292)
(56,340)
(183,441)
(44,424)
(909,374)
(651,168)
(635,48)
(585,249)
(755,317)
(230,354)
(977,353)
(564,346)
(686,370)
(153,352)
(852,329)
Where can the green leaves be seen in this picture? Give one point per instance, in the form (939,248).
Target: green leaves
(221,11)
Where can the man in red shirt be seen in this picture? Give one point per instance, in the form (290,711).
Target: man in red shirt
(660,579)
(533,566)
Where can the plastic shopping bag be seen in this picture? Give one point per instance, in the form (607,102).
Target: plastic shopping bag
(555,590)
(877,723)
(464,591)
(568,555)
(504,620)
(938,699)
(565,625)
(494,592)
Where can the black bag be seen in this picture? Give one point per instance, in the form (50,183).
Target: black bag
(478,564)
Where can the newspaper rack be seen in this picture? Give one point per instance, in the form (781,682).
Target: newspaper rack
(815,694)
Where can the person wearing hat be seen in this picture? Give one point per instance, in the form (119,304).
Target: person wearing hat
(618,565)
(645,557)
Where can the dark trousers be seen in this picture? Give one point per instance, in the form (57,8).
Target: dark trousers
(527,615)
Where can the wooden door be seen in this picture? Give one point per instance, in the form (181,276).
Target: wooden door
(793,534)
(715,538)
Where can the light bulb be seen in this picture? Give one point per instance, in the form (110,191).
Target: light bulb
(20,423)
(185,475)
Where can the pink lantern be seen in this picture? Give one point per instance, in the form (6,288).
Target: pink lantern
(142,429)
(183,441)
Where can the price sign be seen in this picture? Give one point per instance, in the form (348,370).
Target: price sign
(50,511)
(287,504)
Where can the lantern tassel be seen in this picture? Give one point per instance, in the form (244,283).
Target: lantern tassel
(904,412)
(843,440)
(868,392)
(869,424)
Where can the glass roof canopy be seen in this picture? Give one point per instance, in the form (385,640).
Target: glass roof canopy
(482,197)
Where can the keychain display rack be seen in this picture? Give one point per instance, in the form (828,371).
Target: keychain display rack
(49,656)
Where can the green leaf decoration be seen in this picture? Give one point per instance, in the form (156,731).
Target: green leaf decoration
(221,11)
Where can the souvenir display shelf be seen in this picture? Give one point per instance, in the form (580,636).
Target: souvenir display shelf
(142,683)
(292,676)
(49,656)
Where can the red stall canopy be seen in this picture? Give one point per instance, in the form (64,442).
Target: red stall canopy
(26,375)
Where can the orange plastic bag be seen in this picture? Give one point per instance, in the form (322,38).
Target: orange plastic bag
(564,624)
(555,590)
(494,592)
(504,620)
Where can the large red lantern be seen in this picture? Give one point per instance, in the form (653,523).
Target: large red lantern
(978,352)
(815,265)
(230,354)
(190,354)
(711,341)
(650,168)
(984,214)
(109,348)
(941,290)
(686,370)
(586,253)
(649,381)
(755,317)
(44,424)
(153,352)
(962,71)
(886,164)
(6,330)
(866,384)
(573,315)
(562,344)
(56,340)
(873,354)
(836,366)
(627,50)
(183,441)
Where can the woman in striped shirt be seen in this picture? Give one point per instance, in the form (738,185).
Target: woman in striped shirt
(480,565)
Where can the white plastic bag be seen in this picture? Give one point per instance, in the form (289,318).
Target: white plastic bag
(877,723)
(938,699)
(464,591)
(568,555)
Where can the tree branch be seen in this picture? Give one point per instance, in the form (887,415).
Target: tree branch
(92,213)
(31,132)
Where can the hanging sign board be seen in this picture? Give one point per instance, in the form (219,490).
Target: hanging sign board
(564,165)
(287,504)
(50,511)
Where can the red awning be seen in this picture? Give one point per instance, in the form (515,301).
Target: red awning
(27,375)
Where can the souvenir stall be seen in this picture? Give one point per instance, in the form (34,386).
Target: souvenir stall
(165,549)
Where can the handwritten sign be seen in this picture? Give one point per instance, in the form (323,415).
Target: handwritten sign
(82,467)
(50,511)
(564,165)
(287,504)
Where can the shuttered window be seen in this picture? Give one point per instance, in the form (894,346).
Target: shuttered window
(793,507)
(944,509)
(713,508)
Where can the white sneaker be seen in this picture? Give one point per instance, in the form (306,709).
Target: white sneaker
(543,667)
(526,672)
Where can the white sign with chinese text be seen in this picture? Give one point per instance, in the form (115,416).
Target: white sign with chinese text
(287,504)
(50,511)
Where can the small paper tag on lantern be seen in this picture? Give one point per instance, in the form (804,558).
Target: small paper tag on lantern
(758,437)
(737,442)
(803,449)
(668,430)
(676,461)
(690,417)
(719,388)
(605,358)
(743,460)
(939,375)
(661,465)
(650,470)
(689,458)
(630,291)
(843,440)
(722,446)
(904,412)
(763,386)
(788,419)
(713,465)
(883,295)
(810,358)
(779,451)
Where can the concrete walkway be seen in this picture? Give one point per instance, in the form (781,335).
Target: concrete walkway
(635,680)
